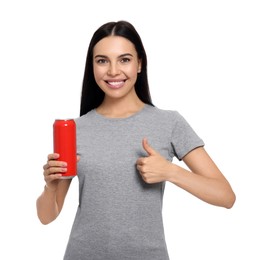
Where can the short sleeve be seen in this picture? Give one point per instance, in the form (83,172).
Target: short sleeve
(184,139)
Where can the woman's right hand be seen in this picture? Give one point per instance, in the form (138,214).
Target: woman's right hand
(53,170)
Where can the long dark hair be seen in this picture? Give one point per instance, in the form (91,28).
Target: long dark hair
(91,95)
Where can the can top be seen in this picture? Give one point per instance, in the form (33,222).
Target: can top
(64,122)
(67,119)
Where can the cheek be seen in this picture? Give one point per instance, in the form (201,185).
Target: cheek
(134,73)
(131,71)
(97,74)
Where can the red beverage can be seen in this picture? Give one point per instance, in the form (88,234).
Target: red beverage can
(64,135)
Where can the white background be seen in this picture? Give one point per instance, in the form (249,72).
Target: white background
(203,62)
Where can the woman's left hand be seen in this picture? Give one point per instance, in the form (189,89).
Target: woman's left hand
(153,168)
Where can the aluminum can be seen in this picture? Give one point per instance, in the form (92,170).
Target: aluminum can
(64,139)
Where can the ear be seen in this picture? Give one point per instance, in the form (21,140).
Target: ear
(139,66)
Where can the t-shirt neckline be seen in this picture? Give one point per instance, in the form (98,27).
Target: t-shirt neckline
(120,118)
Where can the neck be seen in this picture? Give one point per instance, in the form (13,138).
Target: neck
(119,108)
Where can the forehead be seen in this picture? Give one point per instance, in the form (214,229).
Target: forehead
(114,45)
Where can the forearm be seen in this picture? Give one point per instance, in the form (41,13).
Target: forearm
(216,191)
(47,206)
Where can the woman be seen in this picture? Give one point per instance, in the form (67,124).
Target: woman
(125,149)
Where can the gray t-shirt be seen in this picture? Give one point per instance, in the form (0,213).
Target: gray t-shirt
(119,216)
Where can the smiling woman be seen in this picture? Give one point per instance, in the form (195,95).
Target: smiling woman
(121,175)
(92,95)
(116,64)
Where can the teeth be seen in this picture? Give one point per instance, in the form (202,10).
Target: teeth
(115,83)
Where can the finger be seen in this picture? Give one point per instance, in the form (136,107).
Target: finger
(54,167)
(141,169)
(138,167)
(53,156)
(54,170)
(147,147)
(54,163)
(140,161)
(45,167)
(52,177)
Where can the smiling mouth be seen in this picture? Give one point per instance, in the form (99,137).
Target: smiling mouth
(115,84)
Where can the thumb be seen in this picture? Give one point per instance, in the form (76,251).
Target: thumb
(147,147)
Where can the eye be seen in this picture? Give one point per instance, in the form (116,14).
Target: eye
(101,61)
(125,60)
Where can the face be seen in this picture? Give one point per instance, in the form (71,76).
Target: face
(116,65)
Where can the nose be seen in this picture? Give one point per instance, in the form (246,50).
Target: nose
(113,69)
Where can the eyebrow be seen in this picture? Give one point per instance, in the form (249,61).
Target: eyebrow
(120,56)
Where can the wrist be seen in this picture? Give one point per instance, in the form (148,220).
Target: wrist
(173,171)
(48,189)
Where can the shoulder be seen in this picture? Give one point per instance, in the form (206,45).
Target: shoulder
(163,114)
(84,119)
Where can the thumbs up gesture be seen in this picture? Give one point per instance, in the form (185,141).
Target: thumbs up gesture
(153,168)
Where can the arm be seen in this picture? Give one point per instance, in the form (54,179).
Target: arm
(204,180)
(49,204)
